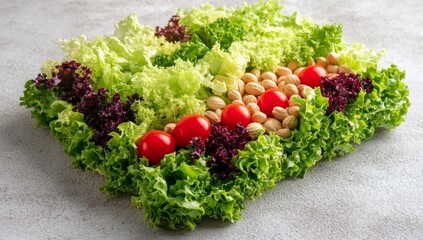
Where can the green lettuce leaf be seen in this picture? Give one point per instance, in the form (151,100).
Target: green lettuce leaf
(191,51)
(359,58)
(114,59)
(39,101)
(221,31)
(261,165)
(171,193)
(225,67)
(171,93)
(120,156)
(197,17)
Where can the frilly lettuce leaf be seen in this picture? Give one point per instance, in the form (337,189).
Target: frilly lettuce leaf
(226,67)
(222,32)
(197,17)
(359,58)
(191,51)
(39,101)
(171,193)
(113,59)
(172,92)
(261,165)
(120,156)
(75,135)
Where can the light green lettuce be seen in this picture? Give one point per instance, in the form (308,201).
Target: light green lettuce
(171,93)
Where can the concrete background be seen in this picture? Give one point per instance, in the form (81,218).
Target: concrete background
(374,193)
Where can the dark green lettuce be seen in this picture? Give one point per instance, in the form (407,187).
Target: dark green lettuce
(39,101)
(171,193)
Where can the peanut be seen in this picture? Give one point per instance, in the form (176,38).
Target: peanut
(292,78)
(344,69)
(268,84)
(241,86)
(259,117)
(212,117)
(294,111)
(256,72)
(280,79)
(255,129)
(332,68)
(215,102)
(169,127)
(322,62)
(234,95)
(238,101)
(269,75)
(332,75)
(293,65)
(249,77)
(253,107)
(254,88)
(218,113)
(281,85)
(296,72)
(284,133)
(290,122)
(303,90)
(272,125)
(333,58)
(283,71)
(290,89)
(249,98)
(280,113)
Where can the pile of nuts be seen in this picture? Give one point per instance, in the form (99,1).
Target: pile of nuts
(254,83)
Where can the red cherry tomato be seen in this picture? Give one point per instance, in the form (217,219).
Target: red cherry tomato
(190,126)
(312,75)
(270,99)
(235,113)
(154,145)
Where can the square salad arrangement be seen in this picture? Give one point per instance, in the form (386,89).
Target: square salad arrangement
(194,118)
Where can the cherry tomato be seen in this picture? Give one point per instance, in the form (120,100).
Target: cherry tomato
(312,75)
(190,126)
(154,145)
(270,99)
(235,113)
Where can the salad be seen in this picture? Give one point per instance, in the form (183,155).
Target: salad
(197,117)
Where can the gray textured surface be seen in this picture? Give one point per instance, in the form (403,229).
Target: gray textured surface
(374,193)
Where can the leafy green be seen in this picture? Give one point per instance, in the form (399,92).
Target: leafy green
(221,31)
(122,155)
(75,135)
(197,17)
(324,39)
(39,101)
(226,67)
(191,51)
(171,194)
(261,165)
(358,58)
(171,93)
(113,59)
